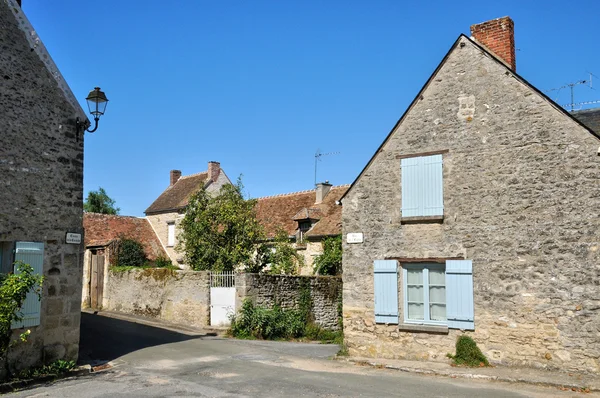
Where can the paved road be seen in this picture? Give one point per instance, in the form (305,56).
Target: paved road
(151,362)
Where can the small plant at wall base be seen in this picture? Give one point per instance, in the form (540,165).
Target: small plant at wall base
(468,354)
(330,262)
(13,292)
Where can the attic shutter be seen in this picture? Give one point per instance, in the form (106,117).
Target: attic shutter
(31,253)
(411,187)
(386,291)
(459,294)
(433,187)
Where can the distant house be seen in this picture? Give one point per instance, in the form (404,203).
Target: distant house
(307,217)
(480,213)
(102,231)
(165,213)
(41,199)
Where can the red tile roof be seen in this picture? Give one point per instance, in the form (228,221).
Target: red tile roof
(176,196)
(281,211)
(101,229)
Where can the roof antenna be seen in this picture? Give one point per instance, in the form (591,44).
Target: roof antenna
(571,86)
(318,156)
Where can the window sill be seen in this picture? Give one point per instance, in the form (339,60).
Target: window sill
(422,220)
(435,329)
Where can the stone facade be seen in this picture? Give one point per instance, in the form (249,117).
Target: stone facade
(520,184)
(174,296)
(41,163)
(268,290)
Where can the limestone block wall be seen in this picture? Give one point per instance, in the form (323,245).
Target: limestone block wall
(41,189)
(159,223)
(521,182)
(268,290)
(174,296)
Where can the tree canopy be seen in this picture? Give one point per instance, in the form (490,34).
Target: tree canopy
(99,202)
(218,232)
(330,262)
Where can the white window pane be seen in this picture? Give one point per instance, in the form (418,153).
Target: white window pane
(437,277)
(437,312)
(415,311)
(415,293)
(437,294)
(171,235)
(415,277)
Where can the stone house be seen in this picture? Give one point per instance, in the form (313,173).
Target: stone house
(307,217)
(102,231)
(41,200)
(479,215)
(165,213)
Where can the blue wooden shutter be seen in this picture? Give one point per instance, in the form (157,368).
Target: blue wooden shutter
(433,187)
(411,187)
(459,294)
(31,253)
(386,291)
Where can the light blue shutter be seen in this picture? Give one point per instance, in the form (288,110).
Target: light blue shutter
(433,187)
(386,291)
(422,186)
(31,253)
(411,187)
(459,294)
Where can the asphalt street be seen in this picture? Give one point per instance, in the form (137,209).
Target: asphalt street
(153,362)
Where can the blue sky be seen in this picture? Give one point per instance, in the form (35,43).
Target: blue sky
(260,86)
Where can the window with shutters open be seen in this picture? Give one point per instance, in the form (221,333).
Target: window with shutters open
(31,253)
(422,187)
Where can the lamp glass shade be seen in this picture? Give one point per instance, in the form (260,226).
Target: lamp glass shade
(97,102)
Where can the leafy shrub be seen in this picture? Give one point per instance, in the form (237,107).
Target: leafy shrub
(468,354)
(284,259)
(267,323)
(330,262)
(163,262)
(130,253)
(56,368)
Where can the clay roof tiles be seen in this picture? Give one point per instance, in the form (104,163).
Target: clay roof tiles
(176,196)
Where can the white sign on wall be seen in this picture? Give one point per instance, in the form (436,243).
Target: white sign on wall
(73,238)
(355,237)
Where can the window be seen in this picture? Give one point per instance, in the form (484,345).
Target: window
(31,253)
(303,227)
(171,234)
(424,288)
(422,186)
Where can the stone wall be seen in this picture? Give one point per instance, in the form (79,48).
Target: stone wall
(41,194)
(174,296)
(267,290)
(521,183)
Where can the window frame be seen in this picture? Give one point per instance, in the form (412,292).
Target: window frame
(171,228)
(424,267)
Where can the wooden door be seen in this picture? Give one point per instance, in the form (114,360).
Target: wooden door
(97,281)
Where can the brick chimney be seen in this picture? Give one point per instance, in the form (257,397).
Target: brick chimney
(498,36)
(175,175)
(322,191)
(214,169)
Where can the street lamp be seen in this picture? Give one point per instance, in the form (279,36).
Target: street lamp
(97,102)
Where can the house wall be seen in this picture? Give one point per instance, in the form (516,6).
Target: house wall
(284,290)
(308,251)
(521,201)
(174,296)
(41,195)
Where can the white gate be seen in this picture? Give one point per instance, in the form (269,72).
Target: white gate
(222,297)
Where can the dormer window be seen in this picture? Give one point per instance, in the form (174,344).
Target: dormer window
(304,226)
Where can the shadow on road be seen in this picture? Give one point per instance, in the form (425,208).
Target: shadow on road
(105,339)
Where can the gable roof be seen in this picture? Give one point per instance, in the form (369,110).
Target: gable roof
(284,211)
(589,117)
(102,229)
(177,196)
(519,78)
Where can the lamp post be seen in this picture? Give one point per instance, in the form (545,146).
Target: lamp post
(97,102)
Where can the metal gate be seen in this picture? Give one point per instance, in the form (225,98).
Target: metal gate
(96,281)
(222,297)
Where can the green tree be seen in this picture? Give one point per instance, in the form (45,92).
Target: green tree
(330,262)
(284,259)
(130,253)
(218,232)
(13,292)
(99,202)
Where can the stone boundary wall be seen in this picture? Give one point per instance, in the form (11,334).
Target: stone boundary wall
(174,296)
(267,290)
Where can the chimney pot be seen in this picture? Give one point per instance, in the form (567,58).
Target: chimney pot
(214,169)
(322,191)
(498,36)
(174,176)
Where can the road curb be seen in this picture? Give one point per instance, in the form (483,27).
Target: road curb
(456,375)
(17,385)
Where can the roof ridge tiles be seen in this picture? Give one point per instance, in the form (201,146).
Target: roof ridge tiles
(193,175)
(298,192)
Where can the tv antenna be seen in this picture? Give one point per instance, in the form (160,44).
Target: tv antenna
(571,86)
(318,156)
